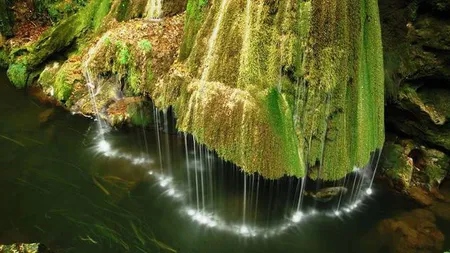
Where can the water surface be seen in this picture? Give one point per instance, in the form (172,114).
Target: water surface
(56,188)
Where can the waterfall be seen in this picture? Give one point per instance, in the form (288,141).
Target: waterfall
(212,42)
(188,174)
(153,9)
(94,90)
(158,138)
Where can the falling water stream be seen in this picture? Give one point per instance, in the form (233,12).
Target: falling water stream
(153,9)
(59,187)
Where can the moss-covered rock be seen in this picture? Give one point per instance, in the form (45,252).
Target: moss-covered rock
(407,164)
(307,75)
(140,113)
(417,55)
(18,74)
(58,79)
(4,58)
(124,62)
(423,114)
(57,9)
(396,164)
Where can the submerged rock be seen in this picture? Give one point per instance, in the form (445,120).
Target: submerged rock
(46,115)
(409,232)
(420,196)
(327,194)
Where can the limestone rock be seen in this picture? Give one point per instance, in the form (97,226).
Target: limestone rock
(396,165)
(416,42)
(420,196)
(408,164)
(409,232)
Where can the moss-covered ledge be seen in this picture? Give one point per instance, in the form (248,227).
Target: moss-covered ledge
(281,88)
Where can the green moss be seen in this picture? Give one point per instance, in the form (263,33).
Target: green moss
(195,10)
(102,9)
(57,9)
(308,76)
(63,89)
(4,58)
(128,60)
(18,74)
(124,54)
(140,113)
(134,82)
(436,166)
(63,34)
(145,46)
(395,163)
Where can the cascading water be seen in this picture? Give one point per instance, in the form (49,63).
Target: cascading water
(262,204)
(153,9)
(93,90)
(211,49)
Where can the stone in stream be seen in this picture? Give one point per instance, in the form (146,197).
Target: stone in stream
(45,115)
(327,194)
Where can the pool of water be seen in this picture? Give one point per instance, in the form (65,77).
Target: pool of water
(61,186)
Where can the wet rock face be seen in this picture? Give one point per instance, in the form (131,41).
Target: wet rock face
(407,164)
(416,40)
(414,231)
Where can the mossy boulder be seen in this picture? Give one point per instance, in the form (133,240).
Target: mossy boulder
(140,113)
(407,164)
(18,74)
(58,79)
(57,9)
(4,58)
(396,164)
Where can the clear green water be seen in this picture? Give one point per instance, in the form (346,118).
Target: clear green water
(55,189)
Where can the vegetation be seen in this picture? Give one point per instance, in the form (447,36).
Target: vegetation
(195,11)
(18,74)
(6,18)
(319,63)
(58,10)
(140,113)
(124,59)
(279,88)
(145,46)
